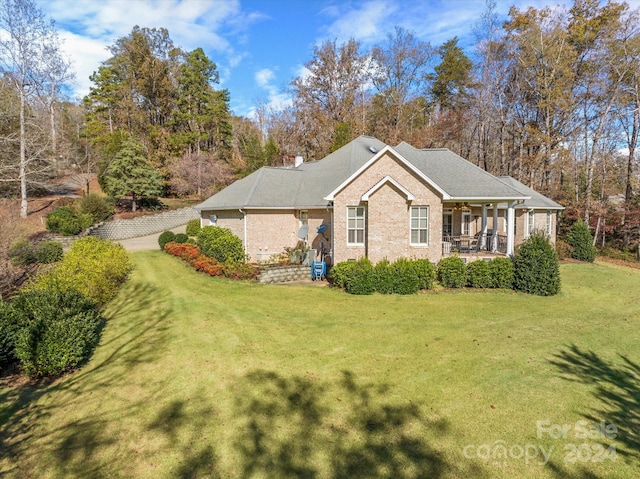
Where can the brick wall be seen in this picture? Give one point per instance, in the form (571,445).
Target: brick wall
(269,232)
(387,231)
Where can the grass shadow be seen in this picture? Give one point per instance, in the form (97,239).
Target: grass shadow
(24,407)
(616,385)
(301,427)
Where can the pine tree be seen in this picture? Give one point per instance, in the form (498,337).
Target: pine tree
(131,173)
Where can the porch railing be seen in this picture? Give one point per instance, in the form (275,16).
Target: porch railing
(489,243)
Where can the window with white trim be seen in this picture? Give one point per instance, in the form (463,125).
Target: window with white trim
(531,222)
(419,225)
(355,225)
(447,222)
(465,227)
(549,222)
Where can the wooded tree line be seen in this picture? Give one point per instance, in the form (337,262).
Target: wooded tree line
(551,97)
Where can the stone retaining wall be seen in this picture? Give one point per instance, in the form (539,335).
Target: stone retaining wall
(283,274)
(143,225)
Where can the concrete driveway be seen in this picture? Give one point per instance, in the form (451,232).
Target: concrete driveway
(145,243)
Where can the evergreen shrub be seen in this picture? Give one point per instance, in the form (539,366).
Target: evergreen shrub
(479,274)
(166,237)
(180,238)
(362,278)
(405,276)
(60,330)
(501,270)
(10,324)
(451,272)
(22,253)
(536,269)
(221,244)
(99,207)
(580,239)
(426,273)
(48,252)
(193,227)
(383,277)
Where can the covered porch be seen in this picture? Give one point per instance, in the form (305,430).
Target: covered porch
(474,227)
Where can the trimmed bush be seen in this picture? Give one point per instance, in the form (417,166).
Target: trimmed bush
(451,272)
(95,267)
(479,274)
(65,221)
(426,273)
(383,277)
(99,207)
(48,252)
(166,237)
(405,276)
(10,324)
(340,274)
(193,227)
(185,251)
(580,239)
(181,238)
(60,330)
(501,270)
(535,268)
(362,278)
(22,253)
(221,244)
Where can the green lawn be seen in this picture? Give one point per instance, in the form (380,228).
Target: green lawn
(203,377)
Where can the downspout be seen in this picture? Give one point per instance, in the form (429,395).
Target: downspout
(244,230)
(332,251)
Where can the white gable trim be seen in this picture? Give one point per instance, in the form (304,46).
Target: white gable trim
(383,181)
(387,149)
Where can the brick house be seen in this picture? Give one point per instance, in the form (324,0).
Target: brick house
(371,199)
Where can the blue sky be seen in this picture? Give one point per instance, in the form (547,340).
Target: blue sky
(258,45)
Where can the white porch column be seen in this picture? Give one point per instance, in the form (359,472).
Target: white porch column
(483,235)
(494,238)
(510,228)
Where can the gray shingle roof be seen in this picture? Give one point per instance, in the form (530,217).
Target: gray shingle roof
(537,200)
(307,185)
(459,178)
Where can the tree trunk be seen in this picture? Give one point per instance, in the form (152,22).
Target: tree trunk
(23,159)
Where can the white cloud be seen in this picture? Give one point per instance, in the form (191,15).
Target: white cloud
(273,98)
(366,22)
(264,77)
(88,27)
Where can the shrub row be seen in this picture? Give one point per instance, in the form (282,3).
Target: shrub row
(24,252)
(54,323)
(454,273)
(171,237)
(534,270)
(192,255)
(403,276)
